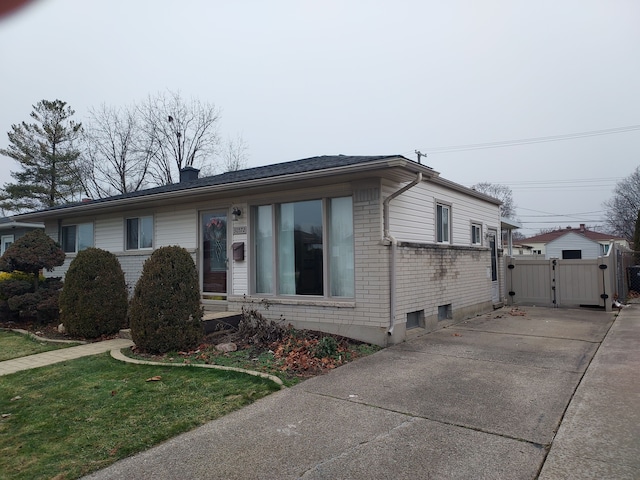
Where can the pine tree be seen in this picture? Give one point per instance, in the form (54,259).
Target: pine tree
(47,157)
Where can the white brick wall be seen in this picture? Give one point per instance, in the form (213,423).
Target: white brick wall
(428,275)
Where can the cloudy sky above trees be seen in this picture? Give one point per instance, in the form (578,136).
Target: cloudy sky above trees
(540,96)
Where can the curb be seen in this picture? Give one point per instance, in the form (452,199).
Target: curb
(118,355)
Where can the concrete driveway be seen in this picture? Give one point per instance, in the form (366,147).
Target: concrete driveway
(478,400)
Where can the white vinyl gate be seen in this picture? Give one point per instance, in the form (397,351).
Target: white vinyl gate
(560,283)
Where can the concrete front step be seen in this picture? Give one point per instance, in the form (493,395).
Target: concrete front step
(210,321)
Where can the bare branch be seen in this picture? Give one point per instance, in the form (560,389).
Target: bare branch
(183,134)
(235,154)
(502,193)
(116,156)
(622,209)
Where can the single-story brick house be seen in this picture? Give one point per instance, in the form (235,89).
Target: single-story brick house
(363,246)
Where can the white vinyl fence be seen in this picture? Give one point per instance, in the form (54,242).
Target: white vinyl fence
(561,283)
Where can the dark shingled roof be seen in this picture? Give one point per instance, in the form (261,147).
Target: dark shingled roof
(256,173)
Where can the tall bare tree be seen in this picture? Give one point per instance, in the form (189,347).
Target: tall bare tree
(622,208)
(502,193)
(46,151)
(116,154)
(182,134)
(235,154)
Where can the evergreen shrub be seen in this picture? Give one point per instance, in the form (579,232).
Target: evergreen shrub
(165,312)
(94,299)
(24,260)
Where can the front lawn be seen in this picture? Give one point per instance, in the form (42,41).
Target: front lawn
(16,345)
(72,418)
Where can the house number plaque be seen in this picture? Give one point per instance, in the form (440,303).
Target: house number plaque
(239,230)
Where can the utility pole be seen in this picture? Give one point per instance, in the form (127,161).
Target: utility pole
(420,155)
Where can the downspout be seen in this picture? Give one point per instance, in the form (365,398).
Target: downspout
(394,244)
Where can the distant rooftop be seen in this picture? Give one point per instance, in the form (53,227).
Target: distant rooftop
(582,230)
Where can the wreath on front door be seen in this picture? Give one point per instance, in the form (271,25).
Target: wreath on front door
(217,233)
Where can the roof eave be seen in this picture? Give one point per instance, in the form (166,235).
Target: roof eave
(466,190)
(12,225)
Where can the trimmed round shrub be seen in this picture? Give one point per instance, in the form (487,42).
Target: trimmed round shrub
(94,300)
(165,312)
(31,253)
(41,305)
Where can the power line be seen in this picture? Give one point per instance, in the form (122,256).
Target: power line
(549,213)
(560,181)
(527,141)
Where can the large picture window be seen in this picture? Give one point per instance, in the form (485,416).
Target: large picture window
(77,237)
(139,233)
(305,248)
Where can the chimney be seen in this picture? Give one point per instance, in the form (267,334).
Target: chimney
(188,174)
(582,228)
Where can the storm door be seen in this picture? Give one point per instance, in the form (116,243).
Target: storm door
(213,227)
(495,288)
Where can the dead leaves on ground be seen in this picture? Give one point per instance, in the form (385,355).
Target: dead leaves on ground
(297,355)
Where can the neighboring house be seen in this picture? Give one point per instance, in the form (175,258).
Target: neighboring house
(366,247)
(11,230)
(573,243)
(521,249)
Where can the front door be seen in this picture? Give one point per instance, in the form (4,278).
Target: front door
(213,226)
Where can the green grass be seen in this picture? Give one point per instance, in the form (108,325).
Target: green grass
(73,418)
(16,345)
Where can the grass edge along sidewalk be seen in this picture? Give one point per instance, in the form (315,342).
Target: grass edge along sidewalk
(20,343)
(72,418)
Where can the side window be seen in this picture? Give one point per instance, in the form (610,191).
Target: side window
(7,240)
(476,234)
(77,237)
(139,234)
(443,223)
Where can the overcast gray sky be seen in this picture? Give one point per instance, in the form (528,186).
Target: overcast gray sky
(303,78)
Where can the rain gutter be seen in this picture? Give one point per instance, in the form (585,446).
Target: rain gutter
(387,237)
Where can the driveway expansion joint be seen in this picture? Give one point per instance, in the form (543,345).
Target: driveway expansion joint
(442,422)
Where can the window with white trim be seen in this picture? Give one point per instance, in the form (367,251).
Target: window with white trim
(139,234)
(443,223)
(476,234)
(76,238)
(305,248)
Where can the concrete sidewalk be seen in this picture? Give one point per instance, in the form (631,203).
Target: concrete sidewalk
(480,399)
(62,355)
(600,434)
